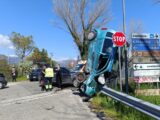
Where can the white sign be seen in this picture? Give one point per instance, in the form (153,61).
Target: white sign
(147,73)
(149,79)
(146,60)
(145,36)
(146,66)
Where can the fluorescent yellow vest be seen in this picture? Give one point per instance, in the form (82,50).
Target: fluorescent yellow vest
(49,72)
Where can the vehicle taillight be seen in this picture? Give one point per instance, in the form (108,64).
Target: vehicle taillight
(103,28)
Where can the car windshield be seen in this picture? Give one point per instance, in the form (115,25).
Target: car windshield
(36,70)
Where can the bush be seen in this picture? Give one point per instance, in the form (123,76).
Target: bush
(5,69)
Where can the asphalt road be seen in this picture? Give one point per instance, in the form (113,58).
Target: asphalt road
(25,101)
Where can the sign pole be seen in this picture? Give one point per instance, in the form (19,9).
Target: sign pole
(119,39)
(120,73)
(125,48)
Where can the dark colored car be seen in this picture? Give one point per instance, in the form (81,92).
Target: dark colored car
(35,75)
(66,76)
(3,82)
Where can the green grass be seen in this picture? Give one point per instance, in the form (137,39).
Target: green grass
(21,78)
(148,86)
(119,111)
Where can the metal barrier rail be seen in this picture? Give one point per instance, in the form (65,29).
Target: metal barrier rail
(140,105)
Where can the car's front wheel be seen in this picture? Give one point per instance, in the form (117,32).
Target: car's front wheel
(76,83)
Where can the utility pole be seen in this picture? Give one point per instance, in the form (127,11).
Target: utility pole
(125,47)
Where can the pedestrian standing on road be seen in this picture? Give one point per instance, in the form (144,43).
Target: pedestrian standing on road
(59,77)
(14,74)
(42,79)
(49,74)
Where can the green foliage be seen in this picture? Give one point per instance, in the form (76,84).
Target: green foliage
(24,45)
(151,99)
(40,57)
(143,86)
(24,67)
(5,69)
(21,78)
(120,111)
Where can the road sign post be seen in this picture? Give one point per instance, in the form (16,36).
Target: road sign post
(119,40)
(146,58)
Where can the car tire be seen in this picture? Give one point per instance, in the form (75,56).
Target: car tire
(1,85)
(81,77)
(82,88)
(75,83)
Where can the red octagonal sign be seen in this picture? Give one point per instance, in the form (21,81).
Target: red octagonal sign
(119,39)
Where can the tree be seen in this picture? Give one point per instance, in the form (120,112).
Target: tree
(133,27)
(156,1)
(40,57)
(44,56)
(80,17)
(5,69)
(35,56)
(23,45)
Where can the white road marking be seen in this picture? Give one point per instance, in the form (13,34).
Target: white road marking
(12,83)
(30,98)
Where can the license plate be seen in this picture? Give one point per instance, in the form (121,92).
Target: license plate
(34,76)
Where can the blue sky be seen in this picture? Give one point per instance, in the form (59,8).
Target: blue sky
(34,17)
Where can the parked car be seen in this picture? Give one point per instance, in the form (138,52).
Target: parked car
(3,82)
(66,76)
(35,75)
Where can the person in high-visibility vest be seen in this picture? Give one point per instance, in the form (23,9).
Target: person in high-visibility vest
(49,74)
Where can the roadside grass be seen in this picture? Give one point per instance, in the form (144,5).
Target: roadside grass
(21,78)
(118,111)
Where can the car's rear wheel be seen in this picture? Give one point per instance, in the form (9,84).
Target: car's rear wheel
(1,85)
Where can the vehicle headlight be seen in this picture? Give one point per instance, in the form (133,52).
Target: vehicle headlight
(92,35)
(101,79)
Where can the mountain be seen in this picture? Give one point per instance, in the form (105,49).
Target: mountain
(2,57)
(67,63)
(10,59)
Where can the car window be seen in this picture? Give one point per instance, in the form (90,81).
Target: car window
(107,46)
(1,75)
(36,70)
(64,70)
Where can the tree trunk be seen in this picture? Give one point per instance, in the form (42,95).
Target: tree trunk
(84,50)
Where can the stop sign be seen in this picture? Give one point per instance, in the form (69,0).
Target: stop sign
(119,39)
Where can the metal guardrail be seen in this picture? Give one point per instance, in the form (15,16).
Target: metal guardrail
(138,104)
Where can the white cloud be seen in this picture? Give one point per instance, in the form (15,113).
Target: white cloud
(5,42)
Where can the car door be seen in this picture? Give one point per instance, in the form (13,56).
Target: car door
(66,76)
